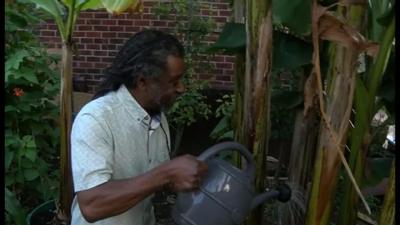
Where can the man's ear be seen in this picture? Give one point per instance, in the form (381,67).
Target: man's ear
(141,83)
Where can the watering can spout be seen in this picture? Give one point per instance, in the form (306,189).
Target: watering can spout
(282,193)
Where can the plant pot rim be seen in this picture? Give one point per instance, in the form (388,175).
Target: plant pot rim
(44,206)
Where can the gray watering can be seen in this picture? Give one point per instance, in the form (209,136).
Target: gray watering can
(226,195)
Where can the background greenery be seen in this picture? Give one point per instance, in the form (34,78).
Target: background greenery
(31,134)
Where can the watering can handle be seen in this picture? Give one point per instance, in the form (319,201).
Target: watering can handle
(230,145)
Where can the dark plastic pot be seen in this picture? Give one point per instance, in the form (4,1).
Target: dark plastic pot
(41,214)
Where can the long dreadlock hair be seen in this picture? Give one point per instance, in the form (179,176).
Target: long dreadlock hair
(144,54)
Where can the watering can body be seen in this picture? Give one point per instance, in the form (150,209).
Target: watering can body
(226,195)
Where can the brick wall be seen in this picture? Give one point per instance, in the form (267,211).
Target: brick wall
(99,35)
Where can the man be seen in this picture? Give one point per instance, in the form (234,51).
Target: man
(120,140)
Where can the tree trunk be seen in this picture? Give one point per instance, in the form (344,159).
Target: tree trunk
(66,185)
(256,104)
(339,99)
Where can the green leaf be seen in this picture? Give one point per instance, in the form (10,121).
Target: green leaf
(8,158)
(222,125)
(92,4)
(295,14)
(15,59)
(31,174)
(10,108)
(290,52)
(31,154)
(51,6)
(384,20)
(25,73)
(227,135)
(56,9)
(287,99)
(14,208)
(378,169)
(232,39)
(120,6)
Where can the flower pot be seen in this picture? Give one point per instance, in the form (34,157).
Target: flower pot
(42,214)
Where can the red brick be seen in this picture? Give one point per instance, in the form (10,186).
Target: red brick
(79,70)
(109,22)
(84,52)
(93,46)
(147,4)
(95,71)
(93,59)
(100,28)
(142,23)
(157,23)
(132,29)
(108,34)
(134,16)
(84,27)
(93,22)
(86,15)
(47,33)
(108,47)
(224,65)
(52,27)
(79,34)
(229,72)
(100,53)
(100,65)
(85,64)
(86,40)
(116,41)
(220,19)
(120,16)
(93,34)
(124,35)
(149,17)
(102,15)
(125,22)
(116,28)
(220,6)
(100,41)
(79,22)
(230,59)
(79,58)
(223,78)
(225,13)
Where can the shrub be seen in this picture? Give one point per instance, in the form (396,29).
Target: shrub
(31,135)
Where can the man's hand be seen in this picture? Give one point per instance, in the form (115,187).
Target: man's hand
(186,173)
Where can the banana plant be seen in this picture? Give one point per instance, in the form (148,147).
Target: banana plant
(365,103)
(65,14)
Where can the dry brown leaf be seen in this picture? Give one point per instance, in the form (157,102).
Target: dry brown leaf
(323,21)
(310,93)
(333,28)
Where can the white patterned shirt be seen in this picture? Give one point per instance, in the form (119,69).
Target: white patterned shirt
(114,138)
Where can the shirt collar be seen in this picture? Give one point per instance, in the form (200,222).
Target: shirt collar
(135,109)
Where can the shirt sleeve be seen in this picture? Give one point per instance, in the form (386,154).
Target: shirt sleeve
(91,152)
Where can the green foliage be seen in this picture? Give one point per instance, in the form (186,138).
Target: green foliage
(192,29)
(224,129)
(290,52)
(31,139)
(294,14)
(232,39)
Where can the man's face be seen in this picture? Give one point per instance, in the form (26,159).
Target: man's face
(165,89)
